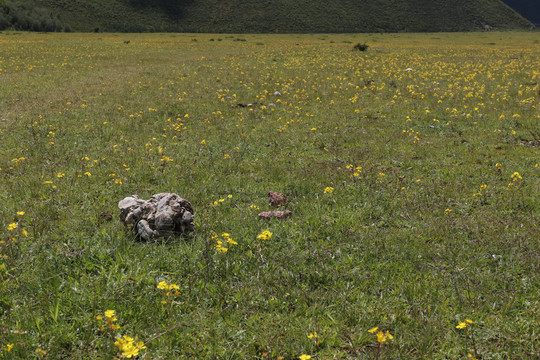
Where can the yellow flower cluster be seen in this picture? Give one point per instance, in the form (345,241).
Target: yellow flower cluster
(12,226)
(169,289)
(481,191)
(265,235)
(516,178)
(415,135)
(381,336)
(16,161)
(222,200)
(165,159)
(464,324)
(15,225)
(355,170)
(110,319)
(226,237)
(129,347)
(328,190)
(40,352)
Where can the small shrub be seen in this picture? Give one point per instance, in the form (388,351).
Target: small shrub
(361,47)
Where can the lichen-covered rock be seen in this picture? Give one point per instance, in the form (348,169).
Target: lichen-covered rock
(277,199)
(162,215)
(276,213)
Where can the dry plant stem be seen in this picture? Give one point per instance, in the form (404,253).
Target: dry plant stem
(174,327)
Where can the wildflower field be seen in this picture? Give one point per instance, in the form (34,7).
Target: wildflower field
(411,169)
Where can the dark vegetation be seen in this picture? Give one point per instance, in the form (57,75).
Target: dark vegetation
(25,15)
(259,16)
(361,47)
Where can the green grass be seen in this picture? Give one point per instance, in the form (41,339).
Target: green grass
(413,244)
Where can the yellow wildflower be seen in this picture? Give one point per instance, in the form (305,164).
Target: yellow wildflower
(12,226)
(168,287)
(328,190)
(381,337)
(304,357)
(162,285)
(9,347)
(222,249)
(265,235)
(129,347)
(20,213)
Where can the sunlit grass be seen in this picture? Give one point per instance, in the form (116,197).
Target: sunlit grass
(411,170)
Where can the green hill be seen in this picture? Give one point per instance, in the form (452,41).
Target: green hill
(260,16)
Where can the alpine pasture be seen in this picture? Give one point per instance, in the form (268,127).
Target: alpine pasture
(412,173)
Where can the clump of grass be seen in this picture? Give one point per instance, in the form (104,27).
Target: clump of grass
(361,47)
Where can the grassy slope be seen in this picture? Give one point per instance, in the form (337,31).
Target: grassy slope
(380,250)
(285,15)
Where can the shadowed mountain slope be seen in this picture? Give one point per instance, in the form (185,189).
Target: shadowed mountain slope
(262,16)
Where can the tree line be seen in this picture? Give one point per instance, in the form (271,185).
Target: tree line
(24,15)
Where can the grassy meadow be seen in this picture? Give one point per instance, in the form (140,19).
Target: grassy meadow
(412,171)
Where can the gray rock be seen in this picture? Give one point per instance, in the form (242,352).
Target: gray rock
(163,215)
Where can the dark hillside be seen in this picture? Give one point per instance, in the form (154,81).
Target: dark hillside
(284,16)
